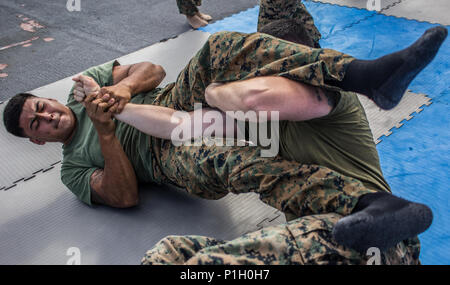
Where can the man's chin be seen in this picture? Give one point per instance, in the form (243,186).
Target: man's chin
(62,123)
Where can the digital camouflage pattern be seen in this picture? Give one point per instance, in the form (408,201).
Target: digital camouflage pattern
(271,10)
(232,56)
(211,172)
(188,7)
(304,241)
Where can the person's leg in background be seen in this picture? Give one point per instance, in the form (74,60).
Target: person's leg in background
(272,10)
(177,250)
(304,241)
(195,18)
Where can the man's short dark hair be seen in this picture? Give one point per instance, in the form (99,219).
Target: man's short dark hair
(292,30)
(11,114)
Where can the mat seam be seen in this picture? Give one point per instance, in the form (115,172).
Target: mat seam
(412,115)
(26,178)
(358,21)
(377,13)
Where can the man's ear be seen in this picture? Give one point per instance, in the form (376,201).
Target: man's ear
(36,141)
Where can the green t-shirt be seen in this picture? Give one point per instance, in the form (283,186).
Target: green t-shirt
(342,141)
(82,156)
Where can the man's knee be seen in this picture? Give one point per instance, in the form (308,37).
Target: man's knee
(292,30)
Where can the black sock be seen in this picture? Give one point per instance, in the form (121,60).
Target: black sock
(362,75)
(381,201)
(381,220)
(385,80)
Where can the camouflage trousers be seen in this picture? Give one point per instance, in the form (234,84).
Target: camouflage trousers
(232,56)
(271,10)
(212,172)
(304,241)
(188,7)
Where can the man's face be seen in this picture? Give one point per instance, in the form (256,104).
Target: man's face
(46,120)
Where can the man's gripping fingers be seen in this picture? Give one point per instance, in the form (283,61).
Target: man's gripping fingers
(78,92)
(76,78)
(90,98)
(113,108)
(104,106)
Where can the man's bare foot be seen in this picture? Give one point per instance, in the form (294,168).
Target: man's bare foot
(196,22)
(204,16)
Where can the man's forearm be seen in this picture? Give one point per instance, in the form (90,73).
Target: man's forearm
(163,122)
(142,77)
(119,181)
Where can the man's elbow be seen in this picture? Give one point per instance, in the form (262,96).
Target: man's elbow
(124,203)
(129,203)
(126,199)
(161,72)
(155,69)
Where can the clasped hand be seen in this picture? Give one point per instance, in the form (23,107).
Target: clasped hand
(101,103)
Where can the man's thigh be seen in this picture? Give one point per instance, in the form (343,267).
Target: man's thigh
(296,189)
(231,56)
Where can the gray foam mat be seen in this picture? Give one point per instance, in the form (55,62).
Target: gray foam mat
(382,122)
(41,220)
(362,4)
(436,11)
(420,10)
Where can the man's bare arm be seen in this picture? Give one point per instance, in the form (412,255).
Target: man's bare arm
(139,77)
(116,184)
(293,100)
(130,80)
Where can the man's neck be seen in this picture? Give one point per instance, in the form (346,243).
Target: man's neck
(74,129)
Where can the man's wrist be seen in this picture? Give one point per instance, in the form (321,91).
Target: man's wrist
(106,132)
(127,87)
(107,137)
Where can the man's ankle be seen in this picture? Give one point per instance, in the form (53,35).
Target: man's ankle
(367,199)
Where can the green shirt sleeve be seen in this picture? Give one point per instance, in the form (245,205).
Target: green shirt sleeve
(77,179)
